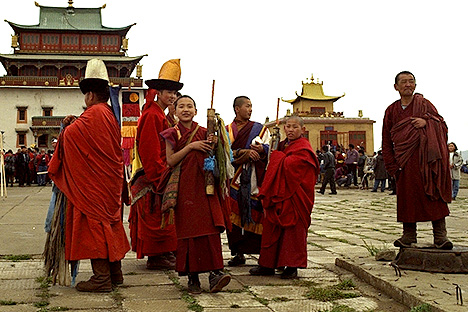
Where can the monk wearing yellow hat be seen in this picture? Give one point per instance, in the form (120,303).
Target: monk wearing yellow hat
(148,237)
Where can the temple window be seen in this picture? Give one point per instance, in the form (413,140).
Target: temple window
(42,140)
(113,72)
(73,71)
(28,70)
(89,42)
(22,115)
(124,72)
(21,139)
(49,71)
(47,111)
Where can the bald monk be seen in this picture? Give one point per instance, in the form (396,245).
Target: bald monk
(287,194)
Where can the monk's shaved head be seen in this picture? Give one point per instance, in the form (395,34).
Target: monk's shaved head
(297,119)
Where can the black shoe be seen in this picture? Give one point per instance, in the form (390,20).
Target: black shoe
(194,284)
(218,281)
(238,259)
(392,193)
(320,192)
(374,191)
(402,243)
(259,270)
(289,273)
(333,193)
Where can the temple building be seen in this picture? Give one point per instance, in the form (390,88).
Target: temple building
(323,124)
(49,59)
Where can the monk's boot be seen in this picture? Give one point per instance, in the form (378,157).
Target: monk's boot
(116,273)
(289,273)
(409,236)
(218,280)
(194,284)
(440,235)
(160,262)
(239,259)
(100,281)
(261,271)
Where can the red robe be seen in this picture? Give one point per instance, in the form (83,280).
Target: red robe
(424,183)
(287,195)
(199,218)
(87,168)
(148,239)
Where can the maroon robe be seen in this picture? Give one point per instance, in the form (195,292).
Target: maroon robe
(147,236)
(418,158)
(288,196)
(199,218)
(87,167)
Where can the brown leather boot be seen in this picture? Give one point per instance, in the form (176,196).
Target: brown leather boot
(440,235)
(116,272)
(101,280)
(409,236)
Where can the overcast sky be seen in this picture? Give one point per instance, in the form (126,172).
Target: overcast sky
(264,49)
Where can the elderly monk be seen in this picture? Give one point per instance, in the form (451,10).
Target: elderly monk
(287,195)
(414,146)
(87,167)
(148,237)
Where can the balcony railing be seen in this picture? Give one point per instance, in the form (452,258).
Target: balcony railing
(55,82)
(47,121)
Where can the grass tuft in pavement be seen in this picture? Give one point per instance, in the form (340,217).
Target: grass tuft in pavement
(421,308)
(7,302)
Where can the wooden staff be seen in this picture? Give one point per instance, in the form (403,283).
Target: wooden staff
(211,129)
(3,181)
(275,136)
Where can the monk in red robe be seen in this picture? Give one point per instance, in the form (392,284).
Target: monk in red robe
(414,146)
(199,218)
(147,236)
(287,195)
(87,167)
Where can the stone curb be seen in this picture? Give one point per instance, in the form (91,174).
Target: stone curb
(390,290)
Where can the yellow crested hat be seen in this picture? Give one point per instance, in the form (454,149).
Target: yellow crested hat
(168,78)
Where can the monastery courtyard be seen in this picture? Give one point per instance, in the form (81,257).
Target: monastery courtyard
(346,229)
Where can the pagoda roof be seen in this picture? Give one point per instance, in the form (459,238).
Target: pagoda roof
(313,91)
(69,58)
(70,19)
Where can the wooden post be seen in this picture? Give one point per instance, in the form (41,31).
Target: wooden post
(3,182)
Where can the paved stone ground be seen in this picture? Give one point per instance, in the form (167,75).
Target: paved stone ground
(344,227)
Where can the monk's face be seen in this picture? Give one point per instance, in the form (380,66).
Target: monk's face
(185,110)
(406,85)
(244,111)
(293,130)
(167,97)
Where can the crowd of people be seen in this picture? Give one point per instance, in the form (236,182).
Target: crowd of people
(190,184)
(28,166)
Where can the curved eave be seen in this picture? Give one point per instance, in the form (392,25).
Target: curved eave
(20,28)
(69,58)
(324,98)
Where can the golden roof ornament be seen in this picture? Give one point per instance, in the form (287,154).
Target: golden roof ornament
(360,113)
(70,3)
(36,4)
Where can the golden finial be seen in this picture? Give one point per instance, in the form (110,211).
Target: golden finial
(288,113)
(70,3)
(36,4)
(267,119)
(103,6)
(360,113)
(312,77)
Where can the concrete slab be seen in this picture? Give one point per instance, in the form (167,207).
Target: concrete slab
(71,298)
(18,308)
(150,292)
(289,292)
(152,305)
(300,306)
(226,300)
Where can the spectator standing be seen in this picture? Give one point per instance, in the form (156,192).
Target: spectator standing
(380,173)
(10,167)
(329,167)
(42,163)
(22,166)
(361,164)
(351,161)
(456,161)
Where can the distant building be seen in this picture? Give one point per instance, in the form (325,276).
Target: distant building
(323,124)
(49,60)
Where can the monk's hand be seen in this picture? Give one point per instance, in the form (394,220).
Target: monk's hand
(257,147)
(68,120)
(203,146)
(253,155)
(418,122)
(212,138)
